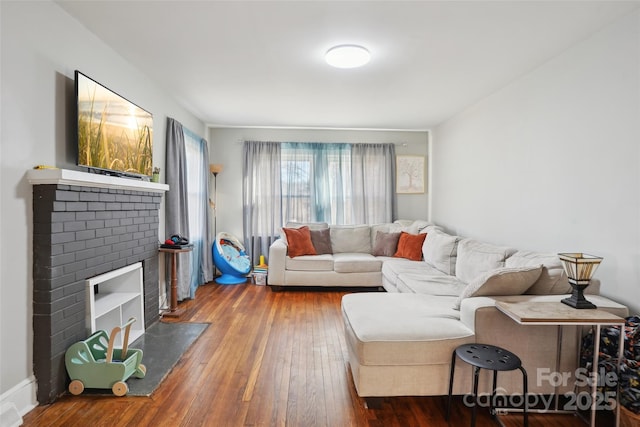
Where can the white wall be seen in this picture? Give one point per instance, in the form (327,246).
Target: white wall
(41,48)
(225,146)
(552,161)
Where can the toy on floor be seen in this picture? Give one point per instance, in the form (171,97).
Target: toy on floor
(230,258)
(95,363)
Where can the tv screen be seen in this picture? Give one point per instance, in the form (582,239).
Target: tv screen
(115,136)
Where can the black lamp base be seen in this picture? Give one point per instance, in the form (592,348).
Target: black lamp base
(577,299)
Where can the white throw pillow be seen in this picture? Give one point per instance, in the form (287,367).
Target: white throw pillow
(350,239)
(440,250)
(501,281)
(475,258)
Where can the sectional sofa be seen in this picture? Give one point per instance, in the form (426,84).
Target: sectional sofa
(400,341)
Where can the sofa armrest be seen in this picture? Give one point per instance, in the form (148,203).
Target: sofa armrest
(277,259)
(469,306)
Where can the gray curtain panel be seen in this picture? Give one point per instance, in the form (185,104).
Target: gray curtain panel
(177,210)
(205,273)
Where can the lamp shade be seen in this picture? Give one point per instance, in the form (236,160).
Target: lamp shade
(579,267)
(216,168)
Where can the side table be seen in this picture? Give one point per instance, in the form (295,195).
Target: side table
(556,313)
(174,311)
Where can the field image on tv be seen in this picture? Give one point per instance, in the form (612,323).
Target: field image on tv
(113,133)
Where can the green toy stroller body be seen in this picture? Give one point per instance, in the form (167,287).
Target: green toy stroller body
(95,363)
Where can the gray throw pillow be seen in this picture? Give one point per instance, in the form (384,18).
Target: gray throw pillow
(386,244)
(321,240)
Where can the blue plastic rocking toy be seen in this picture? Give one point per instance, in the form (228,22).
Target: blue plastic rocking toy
(230,258)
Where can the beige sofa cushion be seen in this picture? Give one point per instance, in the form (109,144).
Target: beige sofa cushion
(475,258)
(394,267)
(310,263)
(502,281)
(350,238)
(430,285)
(441,251)
(553,279)
(355,263)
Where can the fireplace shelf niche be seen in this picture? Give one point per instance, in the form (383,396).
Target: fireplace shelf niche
(115,297)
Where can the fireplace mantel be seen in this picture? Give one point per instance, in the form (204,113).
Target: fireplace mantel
(85,179)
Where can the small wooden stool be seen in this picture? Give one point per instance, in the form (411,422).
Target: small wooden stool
(485,356)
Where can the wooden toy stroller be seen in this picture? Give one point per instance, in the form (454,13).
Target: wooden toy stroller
(95,363)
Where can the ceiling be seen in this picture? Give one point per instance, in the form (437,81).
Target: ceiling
(261,63)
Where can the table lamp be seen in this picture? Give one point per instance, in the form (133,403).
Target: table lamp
(580,268)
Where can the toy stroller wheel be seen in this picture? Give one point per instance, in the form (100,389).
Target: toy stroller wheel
(141,371)
(76,387)
(120,388)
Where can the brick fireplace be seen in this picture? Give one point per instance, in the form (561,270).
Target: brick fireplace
(84,225)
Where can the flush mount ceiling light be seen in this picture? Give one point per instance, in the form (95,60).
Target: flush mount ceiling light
(347,56)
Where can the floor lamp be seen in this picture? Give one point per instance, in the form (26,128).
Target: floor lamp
(215,169)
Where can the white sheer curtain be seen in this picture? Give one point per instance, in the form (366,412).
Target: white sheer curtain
(197,156)
(261,197)
(338,183)
(316,181)
(373,183)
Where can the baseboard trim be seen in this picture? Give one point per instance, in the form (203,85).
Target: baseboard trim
(17,401)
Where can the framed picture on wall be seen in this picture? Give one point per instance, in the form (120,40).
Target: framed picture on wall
(410,174)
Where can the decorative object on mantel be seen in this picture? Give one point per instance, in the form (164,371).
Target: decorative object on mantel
(156,175)
(580,268)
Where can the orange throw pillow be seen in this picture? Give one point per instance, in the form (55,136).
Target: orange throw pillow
(299,241)
(410,246)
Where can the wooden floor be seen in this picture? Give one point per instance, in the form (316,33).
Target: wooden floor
(268,359)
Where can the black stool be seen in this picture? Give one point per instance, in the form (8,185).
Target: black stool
(485,356)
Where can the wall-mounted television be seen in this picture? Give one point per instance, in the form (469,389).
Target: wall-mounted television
(115,136)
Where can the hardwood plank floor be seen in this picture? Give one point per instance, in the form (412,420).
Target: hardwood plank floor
(268,359)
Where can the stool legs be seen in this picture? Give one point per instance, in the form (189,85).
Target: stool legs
(525,395)
(453,366)
(492,409)
(476,372)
